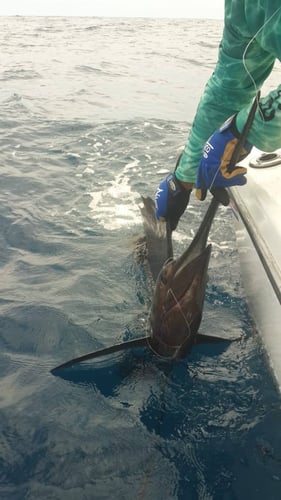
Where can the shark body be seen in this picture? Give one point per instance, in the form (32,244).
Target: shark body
(178,291)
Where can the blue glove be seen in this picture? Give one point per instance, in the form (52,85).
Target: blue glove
(214,167)
(171,200)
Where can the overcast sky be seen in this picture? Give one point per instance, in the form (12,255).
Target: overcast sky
(133,8)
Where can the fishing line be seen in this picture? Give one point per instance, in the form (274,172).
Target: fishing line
(214,178)
(181,311)
(250,42)
(176,347)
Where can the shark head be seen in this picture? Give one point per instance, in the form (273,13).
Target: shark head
(177,304)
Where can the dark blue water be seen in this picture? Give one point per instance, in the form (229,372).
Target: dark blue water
(93,113)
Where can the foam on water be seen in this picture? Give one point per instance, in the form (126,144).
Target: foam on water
(115,206)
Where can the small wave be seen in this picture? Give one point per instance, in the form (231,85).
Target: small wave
(19,74)
(93,28)
(88,69)
(99,71)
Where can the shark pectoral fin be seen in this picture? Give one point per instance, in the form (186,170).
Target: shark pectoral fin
(141,342)
(211,339)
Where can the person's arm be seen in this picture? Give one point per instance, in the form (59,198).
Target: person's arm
(251,43)
(229,90)
(265,132)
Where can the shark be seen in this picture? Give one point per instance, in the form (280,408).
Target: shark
(179,283)
(178,291)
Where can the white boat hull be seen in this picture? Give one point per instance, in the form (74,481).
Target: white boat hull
(257,209)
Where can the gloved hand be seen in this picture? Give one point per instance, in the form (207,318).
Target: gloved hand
(171,200)
(214,169)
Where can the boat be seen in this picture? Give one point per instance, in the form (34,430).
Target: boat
(257,210)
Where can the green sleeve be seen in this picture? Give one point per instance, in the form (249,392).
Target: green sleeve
(232,86)
(265,132)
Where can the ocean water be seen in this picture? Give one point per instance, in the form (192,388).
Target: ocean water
(93,114)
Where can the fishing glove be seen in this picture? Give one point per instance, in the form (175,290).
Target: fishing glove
(171,200)
(214,168)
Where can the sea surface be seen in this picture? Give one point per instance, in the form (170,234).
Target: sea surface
(93,114)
